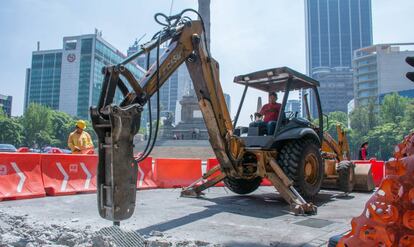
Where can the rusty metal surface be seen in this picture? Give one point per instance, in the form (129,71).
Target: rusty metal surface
(117,173)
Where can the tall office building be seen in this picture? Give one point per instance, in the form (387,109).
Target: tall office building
(380,70)
(43,79)
(6,104)
(70,79)
(334,29)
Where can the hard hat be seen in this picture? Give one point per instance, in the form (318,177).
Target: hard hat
(81,124)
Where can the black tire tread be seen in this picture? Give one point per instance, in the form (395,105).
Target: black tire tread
(289,158)
(242,186)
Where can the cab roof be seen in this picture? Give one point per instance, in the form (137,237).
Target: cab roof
(275,80)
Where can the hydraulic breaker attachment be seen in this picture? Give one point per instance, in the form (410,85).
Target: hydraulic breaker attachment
(285,187)
(195,190)
(117,169)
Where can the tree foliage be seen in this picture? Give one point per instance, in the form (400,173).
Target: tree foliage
(392,108)
(333,119)
(11,131)
(382,126)
(39,127)
(382,140)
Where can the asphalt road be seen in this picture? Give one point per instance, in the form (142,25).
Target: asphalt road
(222,217)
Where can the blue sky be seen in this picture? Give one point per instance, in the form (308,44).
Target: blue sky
(246,35)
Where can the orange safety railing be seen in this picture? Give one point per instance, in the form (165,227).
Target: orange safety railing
(388,217)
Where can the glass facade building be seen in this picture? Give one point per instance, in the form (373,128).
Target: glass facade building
(334,29)
(43,79)
(380,70)
(6,104)
(70,79)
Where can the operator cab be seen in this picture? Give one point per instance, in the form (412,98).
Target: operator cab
(289,125)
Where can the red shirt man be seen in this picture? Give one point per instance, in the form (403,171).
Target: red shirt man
(272,109)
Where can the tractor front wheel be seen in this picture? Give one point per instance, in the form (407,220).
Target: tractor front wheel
(302,162)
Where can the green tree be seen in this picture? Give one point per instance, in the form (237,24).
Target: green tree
(335,118)
(383,126)
(407,120)
(11,131)
(37,126)
(392,108)
(372,113)
(361,122)
(382,140)
(62,125)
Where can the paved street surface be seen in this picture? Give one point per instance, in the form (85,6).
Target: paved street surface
(222,218)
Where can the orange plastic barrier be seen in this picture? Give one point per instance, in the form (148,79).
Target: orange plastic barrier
(145,175)
(266,182)
(20,176)
(388,217)
(211,163)
(55,151)
(176,173)
(23,150)
(65,174)
(377,168)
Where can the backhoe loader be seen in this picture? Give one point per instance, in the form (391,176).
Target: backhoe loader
(341,172)
(290,158)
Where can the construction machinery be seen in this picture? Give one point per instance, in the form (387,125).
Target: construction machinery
(290,158)
(339,169)
(341,172)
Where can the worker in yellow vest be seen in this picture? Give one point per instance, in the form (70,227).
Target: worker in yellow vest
(80,141)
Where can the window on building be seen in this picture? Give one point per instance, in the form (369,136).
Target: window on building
(70,45)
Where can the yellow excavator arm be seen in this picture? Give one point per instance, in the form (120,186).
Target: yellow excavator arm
(338,150)
(116,125)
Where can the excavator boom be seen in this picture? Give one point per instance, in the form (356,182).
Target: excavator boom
(116,125)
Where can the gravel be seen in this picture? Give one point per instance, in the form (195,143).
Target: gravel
(18,231)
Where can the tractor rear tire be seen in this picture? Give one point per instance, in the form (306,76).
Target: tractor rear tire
(302,162)
(242,186)
(346,176)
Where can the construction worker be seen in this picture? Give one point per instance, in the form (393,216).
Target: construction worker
(80,141)
(363,151)
(270,111)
